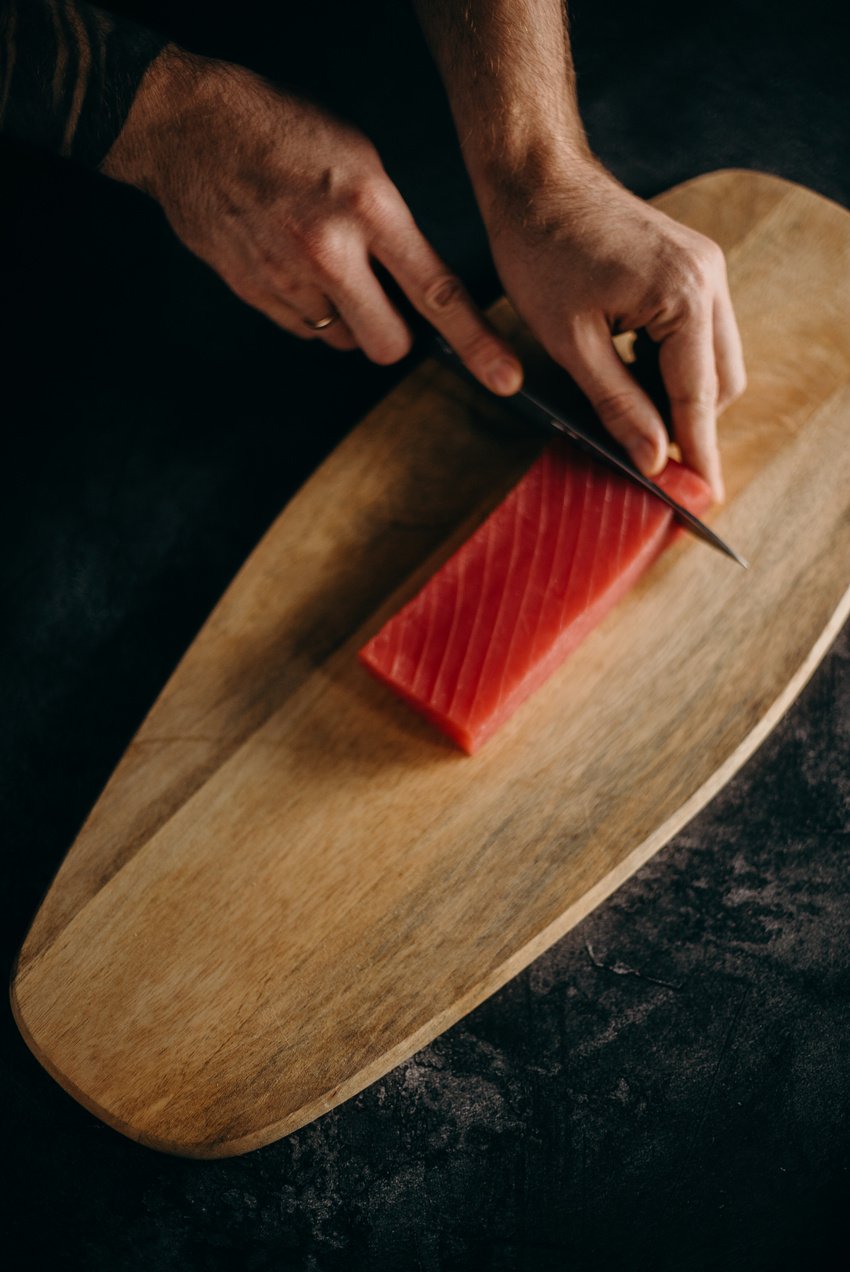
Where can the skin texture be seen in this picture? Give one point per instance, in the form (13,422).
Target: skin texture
(293,208)
(574,284)
(580,257)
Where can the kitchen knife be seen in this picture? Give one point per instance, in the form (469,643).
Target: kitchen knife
(580,424)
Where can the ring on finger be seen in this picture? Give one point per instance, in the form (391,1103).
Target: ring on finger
(320,324)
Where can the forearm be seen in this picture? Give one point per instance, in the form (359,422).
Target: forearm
(579,256)
(69,74)
(508,72)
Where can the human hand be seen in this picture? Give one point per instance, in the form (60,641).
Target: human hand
(582,259)
(292,207)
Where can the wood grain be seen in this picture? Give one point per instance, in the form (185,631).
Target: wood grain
(291,882)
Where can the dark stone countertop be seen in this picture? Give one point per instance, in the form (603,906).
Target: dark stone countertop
(669,1086)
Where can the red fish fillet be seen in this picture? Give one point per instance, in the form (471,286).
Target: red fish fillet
(544,568)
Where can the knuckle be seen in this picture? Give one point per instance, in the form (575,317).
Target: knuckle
(693,284)
(479,348)
(700,399)
(322,247)
(370,199)
(704,249)
(694,276)
(331,264)
(733,388)
(710,262)
(616,410)
(713,257)
(444,294)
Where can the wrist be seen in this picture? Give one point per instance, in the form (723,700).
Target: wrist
(541,183)
(173,91)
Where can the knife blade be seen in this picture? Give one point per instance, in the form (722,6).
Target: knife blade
(581,426)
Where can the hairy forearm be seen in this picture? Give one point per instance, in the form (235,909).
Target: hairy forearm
(508,72)
(69,74)
(579,256)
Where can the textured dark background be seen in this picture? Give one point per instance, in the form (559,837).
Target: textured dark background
(668,1087)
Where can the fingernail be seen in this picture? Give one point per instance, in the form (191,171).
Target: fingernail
(504,376)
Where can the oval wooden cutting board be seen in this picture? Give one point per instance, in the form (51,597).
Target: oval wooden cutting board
(291,883)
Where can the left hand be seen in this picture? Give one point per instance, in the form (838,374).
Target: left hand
(582,259)
(293,209)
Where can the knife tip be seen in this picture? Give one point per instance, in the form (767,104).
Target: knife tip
(736,556)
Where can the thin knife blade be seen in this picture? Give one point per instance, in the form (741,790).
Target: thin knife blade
(587,434)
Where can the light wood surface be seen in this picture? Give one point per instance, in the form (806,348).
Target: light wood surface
(291,882)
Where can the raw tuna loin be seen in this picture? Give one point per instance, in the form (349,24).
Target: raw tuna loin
(544,568)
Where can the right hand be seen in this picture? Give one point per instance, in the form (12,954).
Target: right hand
(291,207)
(582,259)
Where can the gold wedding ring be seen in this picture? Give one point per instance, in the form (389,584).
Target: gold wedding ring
(322,323)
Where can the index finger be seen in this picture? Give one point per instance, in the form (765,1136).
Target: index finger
(441,297)
(688,367)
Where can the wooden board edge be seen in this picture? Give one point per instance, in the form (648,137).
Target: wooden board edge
(570,918)
(221,1147)
(759,174)
(705,180)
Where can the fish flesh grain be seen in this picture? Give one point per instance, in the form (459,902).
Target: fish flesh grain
(516,599)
